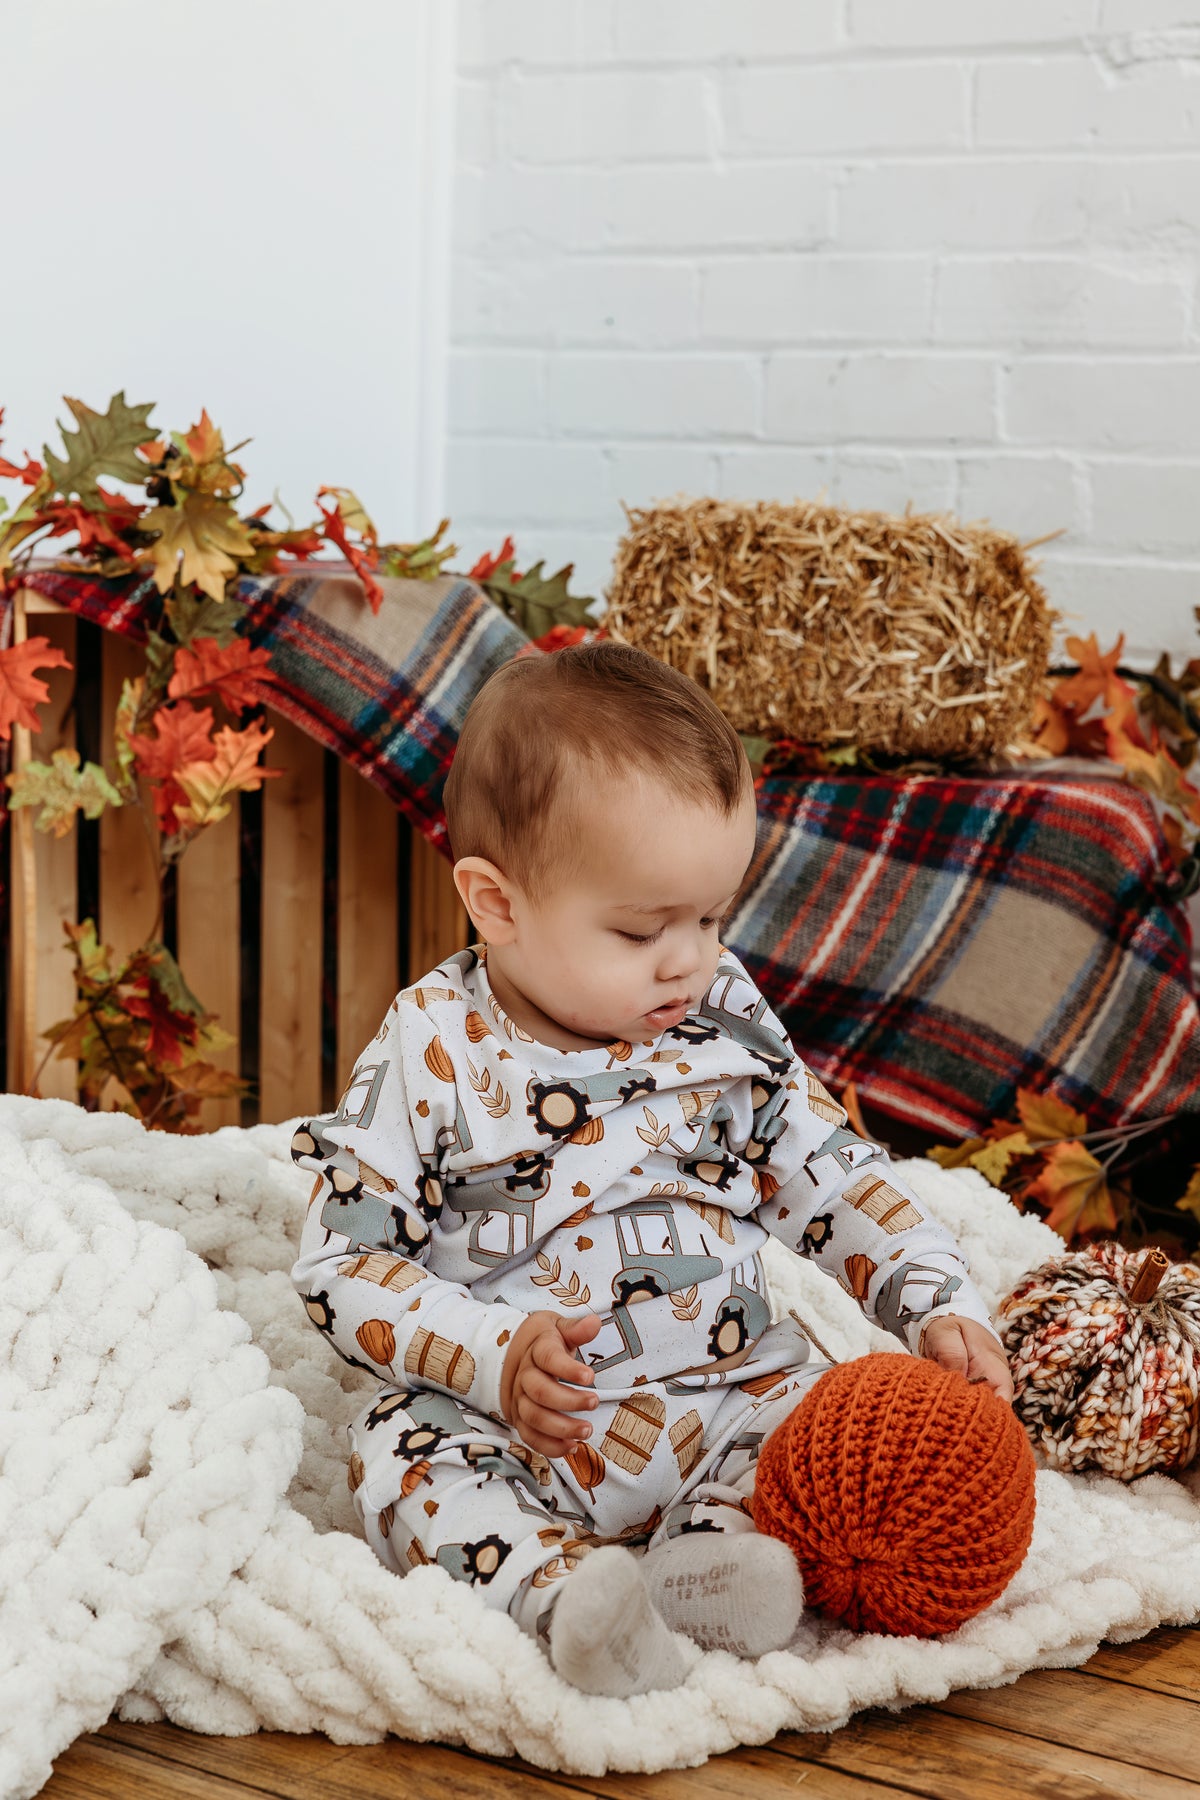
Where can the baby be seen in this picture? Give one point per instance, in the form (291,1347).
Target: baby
(539,1206)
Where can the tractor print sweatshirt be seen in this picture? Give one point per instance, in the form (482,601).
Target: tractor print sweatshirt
(472,1175)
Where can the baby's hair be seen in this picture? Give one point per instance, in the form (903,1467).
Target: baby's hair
(517,789)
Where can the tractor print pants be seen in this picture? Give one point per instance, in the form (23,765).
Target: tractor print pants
(436,1482)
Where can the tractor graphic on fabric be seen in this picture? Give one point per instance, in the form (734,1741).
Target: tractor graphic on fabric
(742,1317)
(501,1209)
(911,1292)
(841,1153)
(561,1108)
(654,1265)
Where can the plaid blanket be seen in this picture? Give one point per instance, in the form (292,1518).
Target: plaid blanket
(938,940)
(942,941)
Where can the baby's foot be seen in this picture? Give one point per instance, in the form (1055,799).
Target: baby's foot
(727,1591)
(605,1636)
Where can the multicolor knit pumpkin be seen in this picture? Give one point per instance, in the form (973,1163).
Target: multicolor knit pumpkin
(1104,1347)
(904,1491)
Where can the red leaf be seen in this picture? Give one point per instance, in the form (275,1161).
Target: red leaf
(169,1030)
(20,689)
(94,528)
(363,561)
(31,474)
(559,636)
(487,565)
(239,675)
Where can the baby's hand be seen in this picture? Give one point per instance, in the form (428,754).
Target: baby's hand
(540,1388)
(967,1346)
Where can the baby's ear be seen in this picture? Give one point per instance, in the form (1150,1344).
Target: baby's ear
(486,893)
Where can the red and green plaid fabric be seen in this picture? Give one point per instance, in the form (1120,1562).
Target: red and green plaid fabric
(940,941)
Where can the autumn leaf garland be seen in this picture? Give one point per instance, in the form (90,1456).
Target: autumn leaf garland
(135,1021)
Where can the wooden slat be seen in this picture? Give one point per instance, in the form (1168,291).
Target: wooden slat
(209,947)
(94,1769)
(290,967)
(54,859)
(931,1753)
(1155,1731)
(748,1774)
(392,1770)
(41,603)
(128,875)
(439,920)
(279,1762)
(23,922)
(1166,1661)
(299,1768)
(367,951)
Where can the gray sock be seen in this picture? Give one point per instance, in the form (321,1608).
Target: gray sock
(605,1637)
(736,1591)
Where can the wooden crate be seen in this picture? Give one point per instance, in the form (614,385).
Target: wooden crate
(295,920)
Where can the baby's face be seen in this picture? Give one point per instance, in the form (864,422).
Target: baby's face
(630,944)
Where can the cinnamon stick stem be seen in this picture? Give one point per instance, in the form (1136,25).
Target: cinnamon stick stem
(1151,1270)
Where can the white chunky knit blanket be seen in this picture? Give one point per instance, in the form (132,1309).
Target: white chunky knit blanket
(176,1534)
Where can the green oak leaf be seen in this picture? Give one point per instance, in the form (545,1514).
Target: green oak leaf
(536,602)
(103,445)
(193,614)
(61,788)
(167,977)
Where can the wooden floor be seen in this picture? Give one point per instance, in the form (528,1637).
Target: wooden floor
(1126,1724)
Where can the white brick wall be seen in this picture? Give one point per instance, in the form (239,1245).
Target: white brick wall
(938,250)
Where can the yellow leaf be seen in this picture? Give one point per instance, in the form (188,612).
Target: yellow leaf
(994,1158)
(61,788)
(355,516)
(1190,1201)
(954,1156)
(201,540)
(1045,1118)
(210,786)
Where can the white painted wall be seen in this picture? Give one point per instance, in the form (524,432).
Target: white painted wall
(938,250)
(242,205)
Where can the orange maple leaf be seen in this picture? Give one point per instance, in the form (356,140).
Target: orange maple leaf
(182,735)
(204,441)
(1096,669)
(20,689)
(210,785)
(239,675)
(1073,1188)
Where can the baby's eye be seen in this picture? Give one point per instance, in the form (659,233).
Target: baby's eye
(631,938)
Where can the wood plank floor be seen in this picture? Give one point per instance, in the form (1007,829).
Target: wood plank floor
(1126,1724)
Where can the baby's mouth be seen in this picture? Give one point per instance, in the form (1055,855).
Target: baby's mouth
(671,1013)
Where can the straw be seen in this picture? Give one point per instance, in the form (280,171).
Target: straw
(905,634)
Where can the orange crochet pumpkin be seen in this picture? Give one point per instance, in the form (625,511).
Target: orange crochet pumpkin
(905,1493)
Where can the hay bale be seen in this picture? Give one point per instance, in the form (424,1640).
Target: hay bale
(909,635)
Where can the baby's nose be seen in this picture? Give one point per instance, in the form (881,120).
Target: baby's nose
(681,960)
